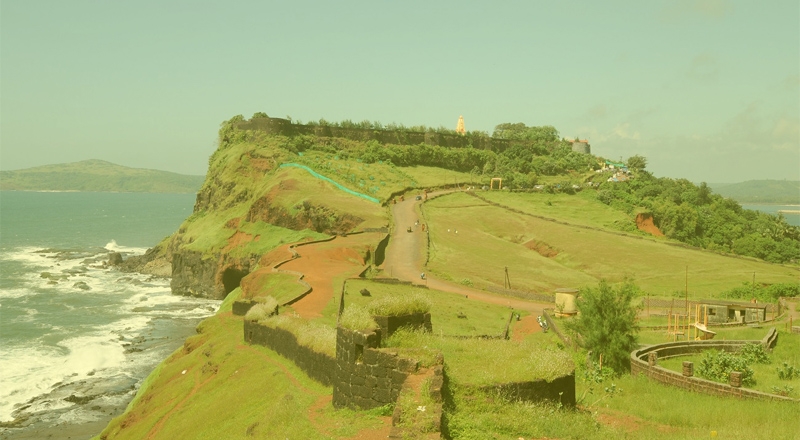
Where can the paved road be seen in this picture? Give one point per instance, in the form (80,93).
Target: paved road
(405,256)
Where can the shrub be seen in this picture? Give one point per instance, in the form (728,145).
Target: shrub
(717,366)
(754,354)
(788,372)
(357,318)
(262,310)
(318,337)
(395,305)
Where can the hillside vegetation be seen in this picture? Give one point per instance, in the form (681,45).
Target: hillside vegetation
(561,222)
(98,176)
(535,158)
(779,192)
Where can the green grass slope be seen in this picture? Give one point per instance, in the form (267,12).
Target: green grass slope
(779,192)
(570,254)
(97,175)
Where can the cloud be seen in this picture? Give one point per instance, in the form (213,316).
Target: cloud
(597,112)
(703,68)
(623,131)
(680,10)
(791,82)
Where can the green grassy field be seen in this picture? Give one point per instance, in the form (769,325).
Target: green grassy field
(481,318)
(490,239)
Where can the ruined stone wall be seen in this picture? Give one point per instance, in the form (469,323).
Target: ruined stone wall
(284,127)
(320,367)
(368,376)
(560,390)
(390,324)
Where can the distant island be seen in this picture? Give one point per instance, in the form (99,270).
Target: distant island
(772,192)
(99,176)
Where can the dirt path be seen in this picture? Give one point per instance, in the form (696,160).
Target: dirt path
(405,257)
(323,264)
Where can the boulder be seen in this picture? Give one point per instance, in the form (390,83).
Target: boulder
(114,258)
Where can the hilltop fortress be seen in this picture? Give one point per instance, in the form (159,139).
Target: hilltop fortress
(456,139)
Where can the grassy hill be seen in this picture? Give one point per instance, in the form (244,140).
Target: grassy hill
(250,207)
(97,175)
(779,192)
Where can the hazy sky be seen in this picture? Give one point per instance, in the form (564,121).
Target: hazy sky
(705,89)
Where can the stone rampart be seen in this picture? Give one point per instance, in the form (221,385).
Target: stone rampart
(318,366)
(284,127)
(390,324)
(560,390)
(368,376)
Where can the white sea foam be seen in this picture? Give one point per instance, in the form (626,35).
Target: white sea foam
(113,246)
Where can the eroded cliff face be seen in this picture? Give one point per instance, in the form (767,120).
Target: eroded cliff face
(241,191)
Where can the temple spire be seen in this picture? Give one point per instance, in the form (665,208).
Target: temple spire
(460,126)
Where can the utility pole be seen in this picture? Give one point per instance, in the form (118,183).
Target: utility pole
(686,289)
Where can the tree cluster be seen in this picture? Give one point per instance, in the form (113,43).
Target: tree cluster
(694,215)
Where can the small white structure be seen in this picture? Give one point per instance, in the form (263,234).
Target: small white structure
(565,302)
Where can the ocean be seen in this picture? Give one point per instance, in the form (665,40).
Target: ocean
(78,337)
(791,212)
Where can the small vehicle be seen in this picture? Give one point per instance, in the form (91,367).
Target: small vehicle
(418,198)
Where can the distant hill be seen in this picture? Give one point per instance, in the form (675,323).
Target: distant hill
(97,175)
(779,192)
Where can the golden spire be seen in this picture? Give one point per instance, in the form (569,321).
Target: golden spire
(460,126)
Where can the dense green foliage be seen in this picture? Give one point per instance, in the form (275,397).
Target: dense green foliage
(694,215)
(607,324)
(717,365)
(97,175)
(769,293)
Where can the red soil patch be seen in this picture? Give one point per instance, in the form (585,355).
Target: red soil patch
(288,184)
(261,164)
(542,248)
(233,223)
(323,263)
(645,223)
(627,422)
(239,239)
(524,327)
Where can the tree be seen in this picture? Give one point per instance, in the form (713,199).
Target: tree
(607,323)
(637,163)
(258,115)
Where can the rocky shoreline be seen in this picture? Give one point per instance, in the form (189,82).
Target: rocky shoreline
(82,408)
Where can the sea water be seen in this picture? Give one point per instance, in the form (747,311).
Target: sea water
(77,337)
(789,212)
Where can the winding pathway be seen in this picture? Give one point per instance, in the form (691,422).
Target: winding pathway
(405,257)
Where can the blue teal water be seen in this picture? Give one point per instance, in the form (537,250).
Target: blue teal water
(71,325)
(792,217)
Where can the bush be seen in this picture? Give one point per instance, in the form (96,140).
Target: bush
(788,372)
(357,318)
(754,354)
(414,302)
(262,310)
(318,337)
(717,366)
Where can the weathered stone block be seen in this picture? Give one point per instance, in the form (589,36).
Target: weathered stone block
(370,382)
(370,357)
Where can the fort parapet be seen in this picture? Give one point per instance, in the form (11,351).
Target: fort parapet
(284,127)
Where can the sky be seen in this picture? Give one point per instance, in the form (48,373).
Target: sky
(707,90)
